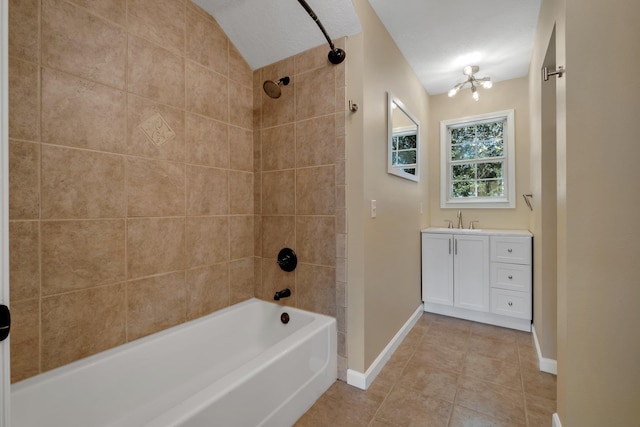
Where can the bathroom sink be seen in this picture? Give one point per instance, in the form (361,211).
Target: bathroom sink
(483,231)
(454,230)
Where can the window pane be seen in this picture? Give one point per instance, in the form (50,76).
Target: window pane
(464,134)
(406,158)
(491,188)
(406,142)
(412,171)
(394,143)
(497,129)
(463,189)
(463,152)
(483,132)
(491,148)
(490,170)
(463,172)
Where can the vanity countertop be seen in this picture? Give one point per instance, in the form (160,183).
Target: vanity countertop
(478,231)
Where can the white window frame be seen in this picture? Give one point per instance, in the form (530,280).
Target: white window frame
(509,172)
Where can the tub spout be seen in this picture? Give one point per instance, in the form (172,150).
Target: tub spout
(282,294)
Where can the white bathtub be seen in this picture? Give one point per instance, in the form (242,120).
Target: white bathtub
(240,366)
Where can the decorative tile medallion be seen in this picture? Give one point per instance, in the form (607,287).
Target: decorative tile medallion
(157,130)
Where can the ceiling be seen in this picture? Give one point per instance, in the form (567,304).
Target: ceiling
(437,37)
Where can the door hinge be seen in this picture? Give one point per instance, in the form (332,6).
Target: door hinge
(5,322)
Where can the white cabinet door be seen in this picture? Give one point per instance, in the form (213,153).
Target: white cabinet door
(437,268)
(471,272)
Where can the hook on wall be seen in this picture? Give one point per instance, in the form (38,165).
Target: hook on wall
(353,107)
(546,73)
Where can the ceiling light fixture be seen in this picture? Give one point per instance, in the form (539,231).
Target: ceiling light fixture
(470,71)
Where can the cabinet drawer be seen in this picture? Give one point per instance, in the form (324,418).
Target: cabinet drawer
(511,303)
(515,250)
(511,276)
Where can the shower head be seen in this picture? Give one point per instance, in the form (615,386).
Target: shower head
(272,88)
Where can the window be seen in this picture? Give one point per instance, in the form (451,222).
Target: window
(478,161)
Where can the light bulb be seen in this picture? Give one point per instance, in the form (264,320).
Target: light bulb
(487,84)
(453,92)
(475,96)
(467,70)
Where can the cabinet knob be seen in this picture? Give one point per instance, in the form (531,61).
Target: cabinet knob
(510,303)
(510,277)
(509,250)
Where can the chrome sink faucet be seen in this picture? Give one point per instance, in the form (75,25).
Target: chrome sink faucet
(460,220)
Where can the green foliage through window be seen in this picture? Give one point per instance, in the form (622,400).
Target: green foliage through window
(477,160)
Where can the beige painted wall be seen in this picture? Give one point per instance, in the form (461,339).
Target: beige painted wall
(502,96)
(384,253)
(598,243)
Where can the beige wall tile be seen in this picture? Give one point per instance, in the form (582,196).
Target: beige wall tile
(161,21)
(207,92)
(24,260)
(257,235)
(24,100)
(316,288)
(279,148)
(207,142)
(315,93)
(82,114)
(207,191)
(341,172)
(241,231)
(155,303)
(114,10)
(241,193)
(277,232)
(79,324)
(155,245)
(241,149)
(24,180)
(257,273)
(155,187)
(257,100)
(207,240)
(207,290)
(169,140)
(241,274)
(278,192)
(315,142)
(207,44)
(312,59)
(242,72)
(25,339)
(81,184)
(316,191)
(155,72)
(82,44)
(241,110)
(316,240)
(81,254)
(24,40)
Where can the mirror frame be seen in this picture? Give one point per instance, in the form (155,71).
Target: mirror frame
(396,170)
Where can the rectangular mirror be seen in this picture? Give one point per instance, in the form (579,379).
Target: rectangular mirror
(403,141)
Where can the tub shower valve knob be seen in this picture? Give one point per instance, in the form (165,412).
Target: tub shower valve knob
(287,259)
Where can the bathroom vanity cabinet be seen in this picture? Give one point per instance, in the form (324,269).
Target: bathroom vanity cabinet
(479,275)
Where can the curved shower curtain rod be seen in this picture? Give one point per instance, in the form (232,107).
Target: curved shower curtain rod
(336,55)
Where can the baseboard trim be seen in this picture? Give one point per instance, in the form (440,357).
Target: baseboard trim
(364,380)
(556,420)
(544,364)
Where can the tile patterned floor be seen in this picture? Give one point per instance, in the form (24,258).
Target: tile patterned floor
(447,373)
